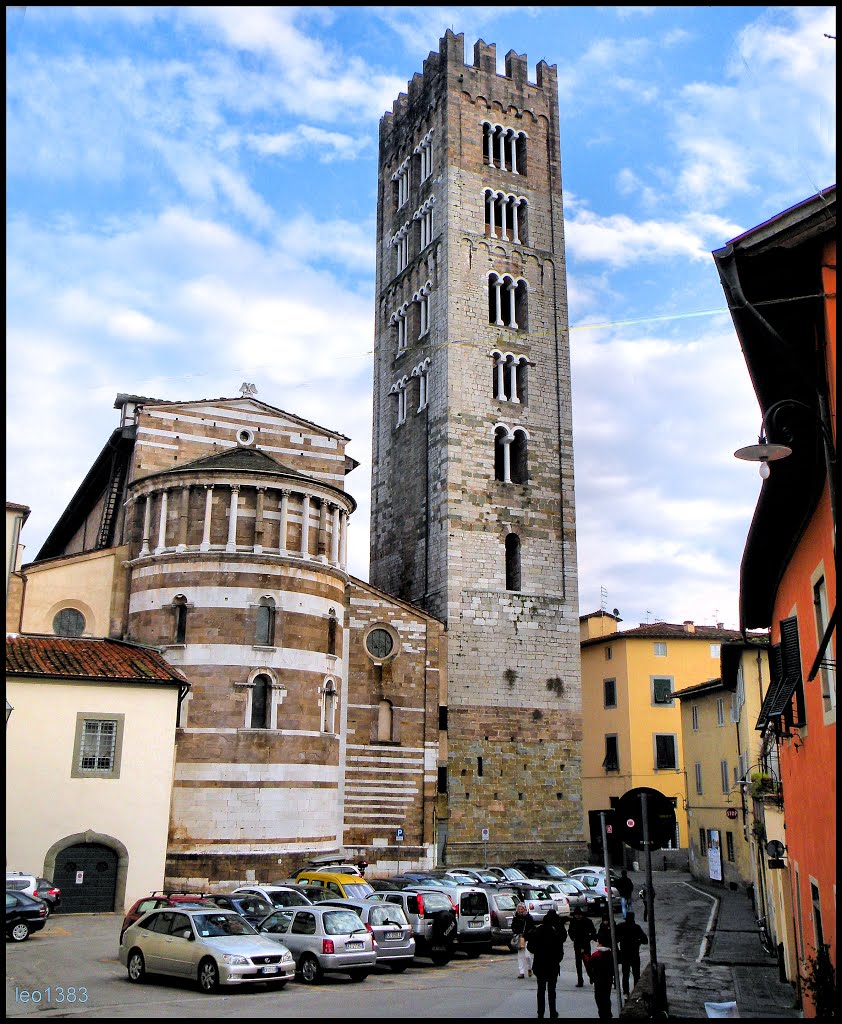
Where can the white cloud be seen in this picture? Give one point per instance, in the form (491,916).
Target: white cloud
(619,240)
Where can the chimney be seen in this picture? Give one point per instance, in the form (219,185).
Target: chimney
(720,625)
(689,627)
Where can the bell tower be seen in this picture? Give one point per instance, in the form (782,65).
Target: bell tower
(473,514)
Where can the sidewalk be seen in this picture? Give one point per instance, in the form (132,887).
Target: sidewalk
(720,961)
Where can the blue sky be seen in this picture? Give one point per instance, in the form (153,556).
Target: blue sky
(191,204)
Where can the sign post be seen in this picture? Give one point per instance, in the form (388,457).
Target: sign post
(399,840)
(614,951)
(650,896)
(485,837)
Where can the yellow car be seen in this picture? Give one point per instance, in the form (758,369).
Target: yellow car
(347,887)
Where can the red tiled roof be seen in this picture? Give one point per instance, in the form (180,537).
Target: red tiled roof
(708,684)
(668,631)
(29,654)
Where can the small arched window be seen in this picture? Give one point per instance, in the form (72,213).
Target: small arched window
(519,468)
(69,622)
(265,629)
(331,632)
(329,707)
(261,702)
(512,562)
(501,444)
(385,721)
(179,607)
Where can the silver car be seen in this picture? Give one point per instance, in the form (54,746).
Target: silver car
(323,938)
(215,947)
(390,929)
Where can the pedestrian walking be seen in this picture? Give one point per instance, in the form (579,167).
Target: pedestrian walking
(582,933)
(546,944)
(522,925)
(600,966)
(644,895)
(630,937)
(603,932)
(625,887)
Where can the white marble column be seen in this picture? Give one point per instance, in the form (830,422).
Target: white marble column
(334,537)
(162,525)
(282,535)
(206,531)
(232,520)
(147,526)
(343,540)
(258,520)
(305,525)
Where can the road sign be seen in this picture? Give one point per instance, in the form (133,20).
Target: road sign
(399,836)
(731,812)
(609,829)
(485,835)
(660,814)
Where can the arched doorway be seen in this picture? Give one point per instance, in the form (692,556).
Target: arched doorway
(86,873)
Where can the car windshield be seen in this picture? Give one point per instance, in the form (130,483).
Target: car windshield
(387,913)
(357,890)
(555,872)
(278,923)
(211,925)
(342,922)
(434,901)
(505,901)
(514,874)
(537,894)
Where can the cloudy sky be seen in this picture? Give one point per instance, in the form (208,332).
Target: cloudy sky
(191,204)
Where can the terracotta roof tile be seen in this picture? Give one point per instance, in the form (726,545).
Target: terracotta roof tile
(668,631)
(29,654)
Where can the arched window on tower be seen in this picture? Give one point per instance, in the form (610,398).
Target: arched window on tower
(504,148)
(507,305)
(519,468)
(264,635)
(501,454)
(512,562)
(385,721)
(510,377)
(261,702)
(505,216)
(331,632)
(179,608)
(329,698)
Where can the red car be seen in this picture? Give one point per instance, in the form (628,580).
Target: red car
(163,899)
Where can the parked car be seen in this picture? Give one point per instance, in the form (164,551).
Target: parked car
(539,869)
(348,887)
(156,900)
(383,884)
(336,867)
(596,880)
(24,915)
(252,907)
(559,897)
(323,938)
(591,901)
(390,929)
(215,947)
(279,896)
(473,876)
(49,893)
(19,881)
(507,874)
(473,920)
(534,895)
(432,916)
(502,903)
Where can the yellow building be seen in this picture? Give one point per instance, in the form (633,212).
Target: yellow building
(631,720)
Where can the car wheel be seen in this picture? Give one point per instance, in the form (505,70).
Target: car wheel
(311,969)
(19,932)
(440,959)
(358,975)
(135,966)
(208,976)
(398,968)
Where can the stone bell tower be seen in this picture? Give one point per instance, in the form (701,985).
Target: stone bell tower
(473,513)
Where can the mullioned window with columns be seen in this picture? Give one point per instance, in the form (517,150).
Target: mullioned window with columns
(504,148)
(509,379)
(506,216)
(511,454)
(507,305)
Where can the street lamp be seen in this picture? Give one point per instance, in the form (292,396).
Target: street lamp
(765,452)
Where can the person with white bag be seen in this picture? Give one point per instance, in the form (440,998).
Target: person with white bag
(522,925)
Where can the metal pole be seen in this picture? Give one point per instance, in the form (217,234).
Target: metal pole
(650,896)
(614,951)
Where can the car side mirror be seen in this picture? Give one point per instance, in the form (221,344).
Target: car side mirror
(187,934)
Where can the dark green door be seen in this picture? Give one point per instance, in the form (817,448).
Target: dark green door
(87,876)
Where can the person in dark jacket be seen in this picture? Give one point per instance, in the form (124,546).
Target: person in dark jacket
(630,937)
(600,966)
(522,924)
(603,932)
(581,933)
(625,887)
(546,944)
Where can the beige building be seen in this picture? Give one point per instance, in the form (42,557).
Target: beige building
(90,749)
(632,721)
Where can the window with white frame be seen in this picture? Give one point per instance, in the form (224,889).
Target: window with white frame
(400,243)
(611,761)
(400,321)
(422,298)
(511,454)
(422,373)
(424,152)
(694,717)
(505,216)
(424,216)
(697,767)
(509,380)
(660,649)
(401,180)
(332,630)
(179,610)
(399,390)
(720,711)
(261,702)
(264,634)
(666,752)
(662,690)
(725,776)
(97,746)
(827,668)
(715,650)
(329,700)
(507,301)
(504,148)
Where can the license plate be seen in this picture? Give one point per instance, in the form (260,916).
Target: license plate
(393,935)
(271,969)
(475,924)
(355,945)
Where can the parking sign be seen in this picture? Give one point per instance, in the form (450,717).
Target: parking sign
(399,836)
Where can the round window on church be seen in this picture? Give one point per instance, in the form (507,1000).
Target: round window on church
(379,643)
(69,622)
(245,437)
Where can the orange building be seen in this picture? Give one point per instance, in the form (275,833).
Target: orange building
(780,282)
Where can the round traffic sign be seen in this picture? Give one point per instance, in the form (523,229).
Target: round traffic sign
(660,817)
(731,812)
(630,823)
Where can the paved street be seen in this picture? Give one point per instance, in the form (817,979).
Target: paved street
(73,965)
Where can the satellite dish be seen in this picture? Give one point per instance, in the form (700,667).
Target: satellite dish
(775,848)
